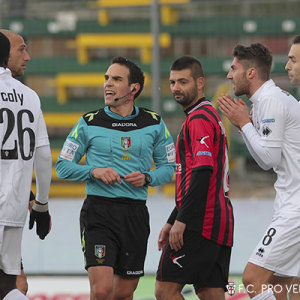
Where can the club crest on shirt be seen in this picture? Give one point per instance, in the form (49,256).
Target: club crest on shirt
(125,142)
(100,251)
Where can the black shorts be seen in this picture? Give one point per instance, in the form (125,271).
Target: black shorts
(114,232)
(200,262)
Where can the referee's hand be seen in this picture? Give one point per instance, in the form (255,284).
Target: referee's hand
(107,175)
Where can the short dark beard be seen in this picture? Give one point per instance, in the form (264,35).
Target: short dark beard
(188,98)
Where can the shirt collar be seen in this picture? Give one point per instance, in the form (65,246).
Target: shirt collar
(5,71)
(200,102)
(257,95)
(135,112)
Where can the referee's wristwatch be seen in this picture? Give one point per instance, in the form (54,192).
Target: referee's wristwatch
(148,179)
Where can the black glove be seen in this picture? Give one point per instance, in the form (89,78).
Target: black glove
(41,216)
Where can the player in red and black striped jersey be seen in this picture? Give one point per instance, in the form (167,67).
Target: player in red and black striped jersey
(196,241)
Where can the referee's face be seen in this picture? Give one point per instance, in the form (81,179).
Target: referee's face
(116,86)
(237,74)
(184,88)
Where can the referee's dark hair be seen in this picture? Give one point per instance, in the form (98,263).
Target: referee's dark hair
(257,56)
(136,75)
(296,40)
(4,50)
(188,62)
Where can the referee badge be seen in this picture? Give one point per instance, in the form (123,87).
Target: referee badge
(100,251)
(125,142)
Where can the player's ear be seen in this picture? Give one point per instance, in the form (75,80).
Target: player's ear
(251,73)
(200,83)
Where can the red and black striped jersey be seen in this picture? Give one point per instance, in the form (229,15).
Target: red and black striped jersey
(202,144)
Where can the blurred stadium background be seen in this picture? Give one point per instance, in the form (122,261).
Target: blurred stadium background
(71,43)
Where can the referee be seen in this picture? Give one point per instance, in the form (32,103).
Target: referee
(119,141)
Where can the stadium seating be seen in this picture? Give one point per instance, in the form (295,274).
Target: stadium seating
(169,14)
(63,78)
(142,41)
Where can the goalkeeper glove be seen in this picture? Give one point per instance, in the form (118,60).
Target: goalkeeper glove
(41,216)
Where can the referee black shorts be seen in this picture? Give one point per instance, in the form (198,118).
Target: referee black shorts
(114,232)
(200,262)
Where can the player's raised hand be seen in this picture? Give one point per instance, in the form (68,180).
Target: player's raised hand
(236,110)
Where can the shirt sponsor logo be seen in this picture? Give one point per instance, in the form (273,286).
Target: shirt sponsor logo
(171,153)
(205,153)
(268,121)
(123,125)
(69,150)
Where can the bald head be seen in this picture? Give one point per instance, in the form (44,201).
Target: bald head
(18,53)
(4,50)
(7,33)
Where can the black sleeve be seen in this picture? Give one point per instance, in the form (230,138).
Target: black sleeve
(193,204)
(173,216)
(32,196)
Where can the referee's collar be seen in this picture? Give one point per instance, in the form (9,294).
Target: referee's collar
(200,102)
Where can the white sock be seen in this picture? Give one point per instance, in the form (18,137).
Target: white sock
(15,295)
(266,295)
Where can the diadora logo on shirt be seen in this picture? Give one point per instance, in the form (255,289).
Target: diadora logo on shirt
(139,272)
(123,125)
